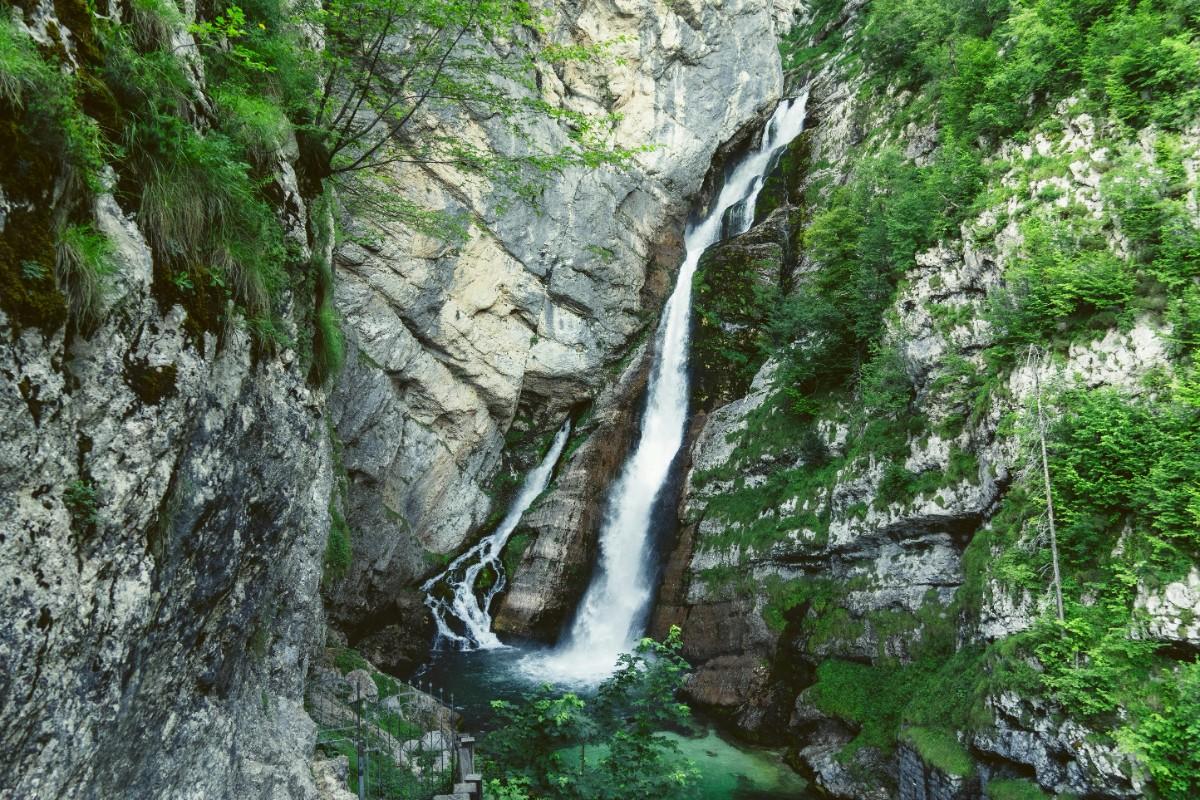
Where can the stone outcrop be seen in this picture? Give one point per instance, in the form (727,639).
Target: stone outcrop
(536,311)
(920,781)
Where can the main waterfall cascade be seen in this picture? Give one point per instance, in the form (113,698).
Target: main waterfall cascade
(464,605)
(614,608)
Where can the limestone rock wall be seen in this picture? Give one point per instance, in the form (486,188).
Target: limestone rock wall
(536,313)
(164,494)
(157,630)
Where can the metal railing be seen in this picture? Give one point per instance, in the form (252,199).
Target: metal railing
(400,740)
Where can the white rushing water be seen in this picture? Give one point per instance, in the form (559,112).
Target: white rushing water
(473,613)
(612,613)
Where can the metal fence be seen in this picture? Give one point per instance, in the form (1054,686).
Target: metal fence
(400,740)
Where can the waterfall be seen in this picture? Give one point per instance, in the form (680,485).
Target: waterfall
(471,612)
(613,610)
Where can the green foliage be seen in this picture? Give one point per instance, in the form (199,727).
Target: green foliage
(514,549)
(22,71)
(1150,208)
(1117,461)
(1013,789)
(1124,475)
(83,502)
(734,289)
(924,701)
(256,122)
(864,239)
(153,24)
(541,745)
(1124,471)
(347,659)
(1145,59)
(1066,280)
(459,55)
(338,551)
(940,749)
(1167,738)
(45,104)
(83,263)
(203,211)
(329,349)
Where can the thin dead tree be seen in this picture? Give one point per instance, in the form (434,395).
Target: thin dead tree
(1034,361)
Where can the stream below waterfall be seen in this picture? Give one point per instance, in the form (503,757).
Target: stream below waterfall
(728,769)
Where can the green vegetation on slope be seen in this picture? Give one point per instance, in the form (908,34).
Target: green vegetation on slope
(989,78)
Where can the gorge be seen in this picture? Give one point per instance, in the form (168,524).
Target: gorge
(722,323)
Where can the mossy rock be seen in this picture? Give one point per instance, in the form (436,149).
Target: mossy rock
(783,184)
(735,287)
(29,294)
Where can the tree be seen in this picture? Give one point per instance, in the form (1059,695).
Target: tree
(1035,362)
(541,745)
(389,67)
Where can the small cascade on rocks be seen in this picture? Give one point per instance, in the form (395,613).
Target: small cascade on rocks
(463,617)
(612,613)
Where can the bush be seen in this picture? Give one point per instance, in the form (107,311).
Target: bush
(1145,66)
(338,551)
(1167,738)
(1013,789)
(44,102)
(82,264)
(256,122)
(1064,282)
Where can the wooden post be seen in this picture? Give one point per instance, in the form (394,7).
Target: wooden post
(466,756)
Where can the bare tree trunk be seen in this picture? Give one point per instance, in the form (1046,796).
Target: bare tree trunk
(1037,393)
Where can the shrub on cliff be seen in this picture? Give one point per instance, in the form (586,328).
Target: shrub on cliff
(541,746)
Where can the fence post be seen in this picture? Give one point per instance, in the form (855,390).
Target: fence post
(466,756)
(362,760)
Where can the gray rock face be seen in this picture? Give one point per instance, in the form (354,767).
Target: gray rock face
(1065,756)
(164,496)
(164,503)
(920,781)
(533,311)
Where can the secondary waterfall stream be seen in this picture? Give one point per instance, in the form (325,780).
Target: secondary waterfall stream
(612,612)
(464,605)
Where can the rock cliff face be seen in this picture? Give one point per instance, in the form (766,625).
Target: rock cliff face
(166,483)
(164,493)
(531,317)
(165,504)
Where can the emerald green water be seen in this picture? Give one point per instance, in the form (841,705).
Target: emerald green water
(728,770)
